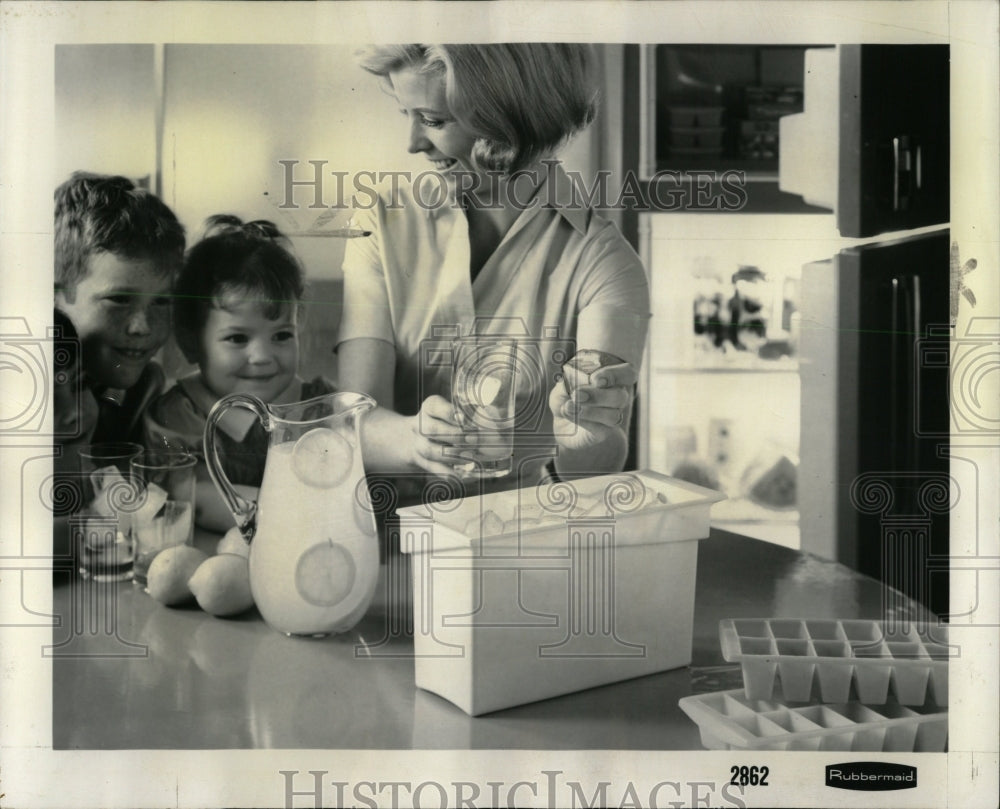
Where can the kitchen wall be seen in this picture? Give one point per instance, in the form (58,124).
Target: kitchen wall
(229,114)
(105,99)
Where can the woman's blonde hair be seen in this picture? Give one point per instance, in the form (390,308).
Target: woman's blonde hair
(522,101)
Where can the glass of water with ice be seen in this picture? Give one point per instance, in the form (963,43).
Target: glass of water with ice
(482,392)
(101,526)
(164,510)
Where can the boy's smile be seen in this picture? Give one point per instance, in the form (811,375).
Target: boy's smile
(121,311)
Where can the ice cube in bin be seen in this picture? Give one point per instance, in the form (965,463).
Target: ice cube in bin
(881,663)
(488,524)
(730,720)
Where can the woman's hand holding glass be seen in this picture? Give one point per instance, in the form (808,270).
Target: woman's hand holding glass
(596,412)
(438,438)
(444,444)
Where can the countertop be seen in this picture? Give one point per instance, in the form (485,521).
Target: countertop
(185,680)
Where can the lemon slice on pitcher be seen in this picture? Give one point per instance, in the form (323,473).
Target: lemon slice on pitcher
(322,458)
(325,574)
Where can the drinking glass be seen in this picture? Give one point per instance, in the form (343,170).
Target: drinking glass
(101,530)
(482,392)
(164,515)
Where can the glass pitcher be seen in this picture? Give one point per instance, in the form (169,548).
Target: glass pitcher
(313,543)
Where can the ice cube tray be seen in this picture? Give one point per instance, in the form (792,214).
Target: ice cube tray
(904,664)
(729,720)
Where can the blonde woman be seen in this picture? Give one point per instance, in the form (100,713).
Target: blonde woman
(489,240)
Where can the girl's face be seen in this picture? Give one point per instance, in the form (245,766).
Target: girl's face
(242,351)
(432,129)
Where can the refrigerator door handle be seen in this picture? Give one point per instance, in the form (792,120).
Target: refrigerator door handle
(907,171)
(906,325)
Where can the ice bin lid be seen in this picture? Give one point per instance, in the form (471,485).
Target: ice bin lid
(461,522)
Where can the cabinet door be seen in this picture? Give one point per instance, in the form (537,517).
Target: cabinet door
(894,140)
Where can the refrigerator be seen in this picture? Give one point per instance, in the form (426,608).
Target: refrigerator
(874,367)
(875,332)
(847,394)
(722,382)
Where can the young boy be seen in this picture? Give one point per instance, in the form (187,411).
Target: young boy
(117,250)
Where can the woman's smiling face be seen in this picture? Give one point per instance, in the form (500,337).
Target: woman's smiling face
(433,131)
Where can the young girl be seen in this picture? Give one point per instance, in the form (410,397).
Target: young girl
(236,311)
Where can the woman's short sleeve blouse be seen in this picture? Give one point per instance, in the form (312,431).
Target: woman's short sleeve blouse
(563,278)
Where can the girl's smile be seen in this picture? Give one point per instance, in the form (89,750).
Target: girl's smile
(245,352)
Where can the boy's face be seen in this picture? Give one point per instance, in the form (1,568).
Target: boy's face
(242,351)
(121,311)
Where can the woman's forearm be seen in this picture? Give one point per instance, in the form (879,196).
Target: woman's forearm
(366,365)
(387,439)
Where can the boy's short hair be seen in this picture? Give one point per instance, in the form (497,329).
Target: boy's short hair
(234,260)
(98,213)
(521,100)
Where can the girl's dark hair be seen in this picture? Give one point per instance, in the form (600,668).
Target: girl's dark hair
(235,259)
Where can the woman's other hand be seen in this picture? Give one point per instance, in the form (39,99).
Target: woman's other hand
(437,437)
(597,412)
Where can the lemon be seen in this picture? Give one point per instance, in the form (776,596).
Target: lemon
(221,584)
(325,574)
(322,458)
(233,542)
(167,578)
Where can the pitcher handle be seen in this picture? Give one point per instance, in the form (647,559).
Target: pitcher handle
(244,511)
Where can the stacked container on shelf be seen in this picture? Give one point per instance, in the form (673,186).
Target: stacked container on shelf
(696,131)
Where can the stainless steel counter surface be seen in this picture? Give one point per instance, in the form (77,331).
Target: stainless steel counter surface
(184,680)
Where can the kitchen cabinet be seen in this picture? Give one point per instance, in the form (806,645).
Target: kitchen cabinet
(717,106)
(894,145)
(698,118)
(872,142)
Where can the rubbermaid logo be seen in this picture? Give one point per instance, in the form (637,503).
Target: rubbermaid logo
(871,775)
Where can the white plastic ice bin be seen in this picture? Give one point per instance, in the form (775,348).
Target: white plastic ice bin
(532,593)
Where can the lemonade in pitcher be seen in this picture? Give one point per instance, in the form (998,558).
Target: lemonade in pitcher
(322,566)
(314,557)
